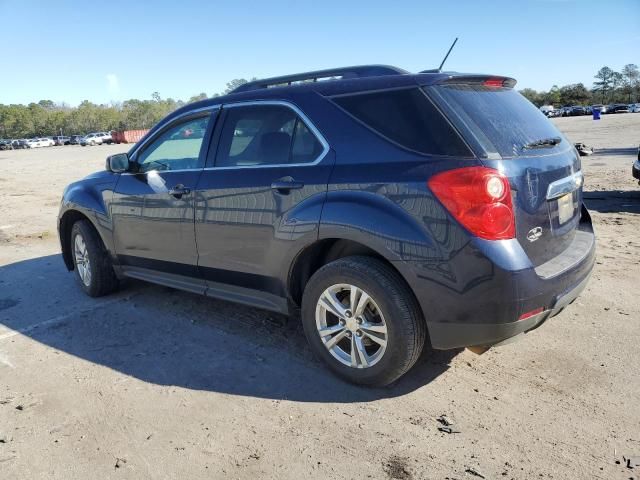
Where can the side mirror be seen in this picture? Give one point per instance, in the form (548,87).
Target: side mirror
(118,163)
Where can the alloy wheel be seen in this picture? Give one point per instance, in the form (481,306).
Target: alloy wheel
(82,260)
(351,326)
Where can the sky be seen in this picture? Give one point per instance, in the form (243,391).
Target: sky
(70,51)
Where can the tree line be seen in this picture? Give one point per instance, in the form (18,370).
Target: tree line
(609,87)
(46,118)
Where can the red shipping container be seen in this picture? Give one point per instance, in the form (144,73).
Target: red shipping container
(128,136)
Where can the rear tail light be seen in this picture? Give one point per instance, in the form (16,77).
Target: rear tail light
(479,198)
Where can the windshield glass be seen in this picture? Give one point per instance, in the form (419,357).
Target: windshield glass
(500,121)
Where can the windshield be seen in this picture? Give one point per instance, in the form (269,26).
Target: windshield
(499,121)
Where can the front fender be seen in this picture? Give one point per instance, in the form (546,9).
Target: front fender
(88,198)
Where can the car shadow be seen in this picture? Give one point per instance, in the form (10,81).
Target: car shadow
(612,201)
(168,337)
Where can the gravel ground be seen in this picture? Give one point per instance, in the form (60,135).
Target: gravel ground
(156,383)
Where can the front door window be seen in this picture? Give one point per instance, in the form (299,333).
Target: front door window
(178,148)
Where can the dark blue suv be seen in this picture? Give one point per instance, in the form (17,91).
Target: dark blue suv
(390,208)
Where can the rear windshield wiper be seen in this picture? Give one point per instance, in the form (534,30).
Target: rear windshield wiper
(544,143)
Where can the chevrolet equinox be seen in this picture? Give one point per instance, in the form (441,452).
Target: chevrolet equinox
(390,209)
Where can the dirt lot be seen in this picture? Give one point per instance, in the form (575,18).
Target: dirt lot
(156,383)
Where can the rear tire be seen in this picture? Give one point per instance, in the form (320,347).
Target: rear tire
(92,266)
(385,328)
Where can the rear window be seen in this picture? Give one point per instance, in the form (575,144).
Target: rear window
(500,120)
(408,118)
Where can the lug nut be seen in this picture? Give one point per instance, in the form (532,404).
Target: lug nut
(359,320)
(342,322)
(348,334)
(358,333)
(347,313)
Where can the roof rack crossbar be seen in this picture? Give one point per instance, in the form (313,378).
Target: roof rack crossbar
(346,72)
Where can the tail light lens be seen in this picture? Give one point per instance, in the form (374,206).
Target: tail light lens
(493,82)
(479,198)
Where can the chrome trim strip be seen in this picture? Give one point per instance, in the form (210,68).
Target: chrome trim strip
(308,123)
(565,185)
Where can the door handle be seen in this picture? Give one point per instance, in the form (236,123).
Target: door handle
(179,190)
(286,184)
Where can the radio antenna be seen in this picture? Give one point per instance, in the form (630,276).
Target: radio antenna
(447,55)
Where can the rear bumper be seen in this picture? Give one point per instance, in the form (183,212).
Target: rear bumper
(456,335)
(480,295)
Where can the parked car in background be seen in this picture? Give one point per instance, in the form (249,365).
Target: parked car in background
(602,108)
(106,137)
(19,144)
(576,110)
(91,139)
(634,108)
(61,140)
(572,111)
(43,142)
(619,108)
(547,110)
(588,110)
(6,145)
(75,139)
(33,143)
(368,204)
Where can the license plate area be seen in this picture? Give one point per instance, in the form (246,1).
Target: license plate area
(566,208)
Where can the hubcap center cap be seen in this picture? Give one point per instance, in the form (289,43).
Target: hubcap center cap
(351,324)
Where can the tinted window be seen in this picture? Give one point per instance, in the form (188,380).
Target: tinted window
(265,135)
(500,119)
(306,147)
(177,148)
(406,117)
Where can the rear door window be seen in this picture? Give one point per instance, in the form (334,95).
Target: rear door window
(261,135)
(406,117)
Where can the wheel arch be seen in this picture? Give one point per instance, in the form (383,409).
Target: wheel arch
(67,220)
(326,250)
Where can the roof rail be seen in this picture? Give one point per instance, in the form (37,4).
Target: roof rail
(346,72)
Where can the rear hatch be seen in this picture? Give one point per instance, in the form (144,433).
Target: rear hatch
(510,134)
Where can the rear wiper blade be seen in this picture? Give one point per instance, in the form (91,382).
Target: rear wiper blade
(544,143)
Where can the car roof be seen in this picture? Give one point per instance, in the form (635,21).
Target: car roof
(366,77)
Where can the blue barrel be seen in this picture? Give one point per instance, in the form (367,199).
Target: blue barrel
(596,113)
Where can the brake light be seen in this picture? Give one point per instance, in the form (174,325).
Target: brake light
(494,82)
(479,198)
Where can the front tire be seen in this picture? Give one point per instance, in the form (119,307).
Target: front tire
(92,265)
(362,320)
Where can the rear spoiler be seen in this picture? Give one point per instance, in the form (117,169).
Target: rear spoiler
(483,80)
